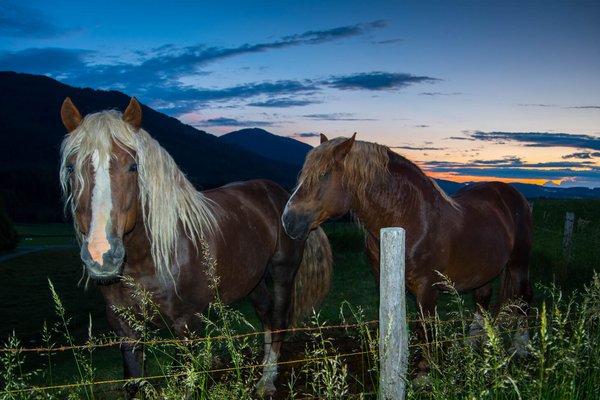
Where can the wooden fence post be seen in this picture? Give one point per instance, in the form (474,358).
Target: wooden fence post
(393,331)
(568,233)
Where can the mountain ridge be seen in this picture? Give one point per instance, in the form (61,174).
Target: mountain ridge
(31,132)
(269,145)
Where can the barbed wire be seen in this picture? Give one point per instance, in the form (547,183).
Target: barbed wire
(180,374)
(305,360)
(187,341)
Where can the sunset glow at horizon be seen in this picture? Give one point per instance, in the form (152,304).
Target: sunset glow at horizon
(471,91)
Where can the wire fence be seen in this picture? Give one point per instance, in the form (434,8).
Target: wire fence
(306,329)
(589,240)
(372,324)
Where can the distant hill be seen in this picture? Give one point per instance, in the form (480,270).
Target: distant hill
(533,191)
(31,132)
(539,192)
(269,145)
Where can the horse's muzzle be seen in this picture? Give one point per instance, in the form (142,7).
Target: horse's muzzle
(297,226)
(112,261)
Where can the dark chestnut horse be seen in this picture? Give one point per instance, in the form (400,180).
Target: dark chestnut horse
(138,216)
(472,237)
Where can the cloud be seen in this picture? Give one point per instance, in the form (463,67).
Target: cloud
(48,61)
(283,103)
(198,55)
(158,74)
(424,148)
(538,105)
(163,65)
(222,121)
(435,94)
(548,171)
(176,100)
(540,139)
(542,105)
(306,135)
(507,160)
(389,41)
(377,81)
(317,37)
(21,21)
(587,155)
(336,117)
(577,181)
(586,107)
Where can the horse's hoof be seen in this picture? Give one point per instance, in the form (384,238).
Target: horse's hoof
(422,381)
(265,390)
(423,367)
(520,344)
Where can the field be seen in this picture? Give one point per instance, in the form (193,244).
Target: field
(561,313)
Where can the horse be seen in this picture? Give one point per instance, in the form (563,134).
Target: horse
(138,216)
(481,232)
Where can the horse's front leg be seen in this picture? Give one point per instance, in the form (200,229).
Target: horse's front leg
(373,254)
(427,296)
(132,353)
(263,306)
(283,278)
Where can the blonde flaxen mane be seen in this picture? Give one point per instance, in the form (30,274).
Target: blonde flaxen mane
(166,196)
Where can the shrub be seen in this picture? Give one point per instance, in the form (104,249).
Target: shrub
(8,235)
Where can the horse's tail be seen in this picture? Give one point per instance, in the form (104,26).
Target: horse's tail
(313,278)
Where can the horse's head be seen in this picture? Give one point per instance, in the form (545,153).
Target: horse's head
(320,193)
(99,176)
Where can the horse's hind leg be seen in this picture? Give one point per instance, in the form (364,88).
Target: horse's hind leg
(481,297)
(520,288)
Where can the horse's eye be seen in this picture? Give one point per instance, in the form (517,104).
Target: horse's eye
(69,168)
(133,167)
(323,174)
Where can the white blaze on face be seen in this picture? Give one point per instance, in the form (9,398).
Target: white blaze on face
(287,205)
(101,207)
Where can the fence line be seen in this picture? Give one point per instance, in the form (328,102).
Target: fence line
(111,343)
(245,367)
(177,375)
(393,329)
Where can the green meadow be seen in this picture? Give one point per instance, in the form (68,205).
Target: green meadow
(563,297)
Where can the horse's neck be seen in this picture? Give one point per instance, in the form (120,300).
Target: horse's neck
(403,199)
(137,246)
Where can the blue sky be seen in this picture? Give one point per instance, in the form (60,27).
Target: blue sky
(470,90)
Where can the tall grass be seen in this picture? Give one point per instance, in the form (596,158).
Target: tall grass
(562,363)
(218,363)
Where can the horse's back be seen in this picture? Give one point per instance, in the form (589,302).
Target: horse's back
(249,231)
(493,192)
(494,224)
(260,193)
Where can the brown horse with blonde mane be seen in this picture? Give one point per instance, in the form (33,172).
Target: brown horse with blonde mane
(479,233)
(138,216)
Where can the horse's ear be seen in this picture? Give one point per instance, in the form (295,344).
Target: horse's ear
(71,118)
(343,148)
(323,138)
(133,114)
